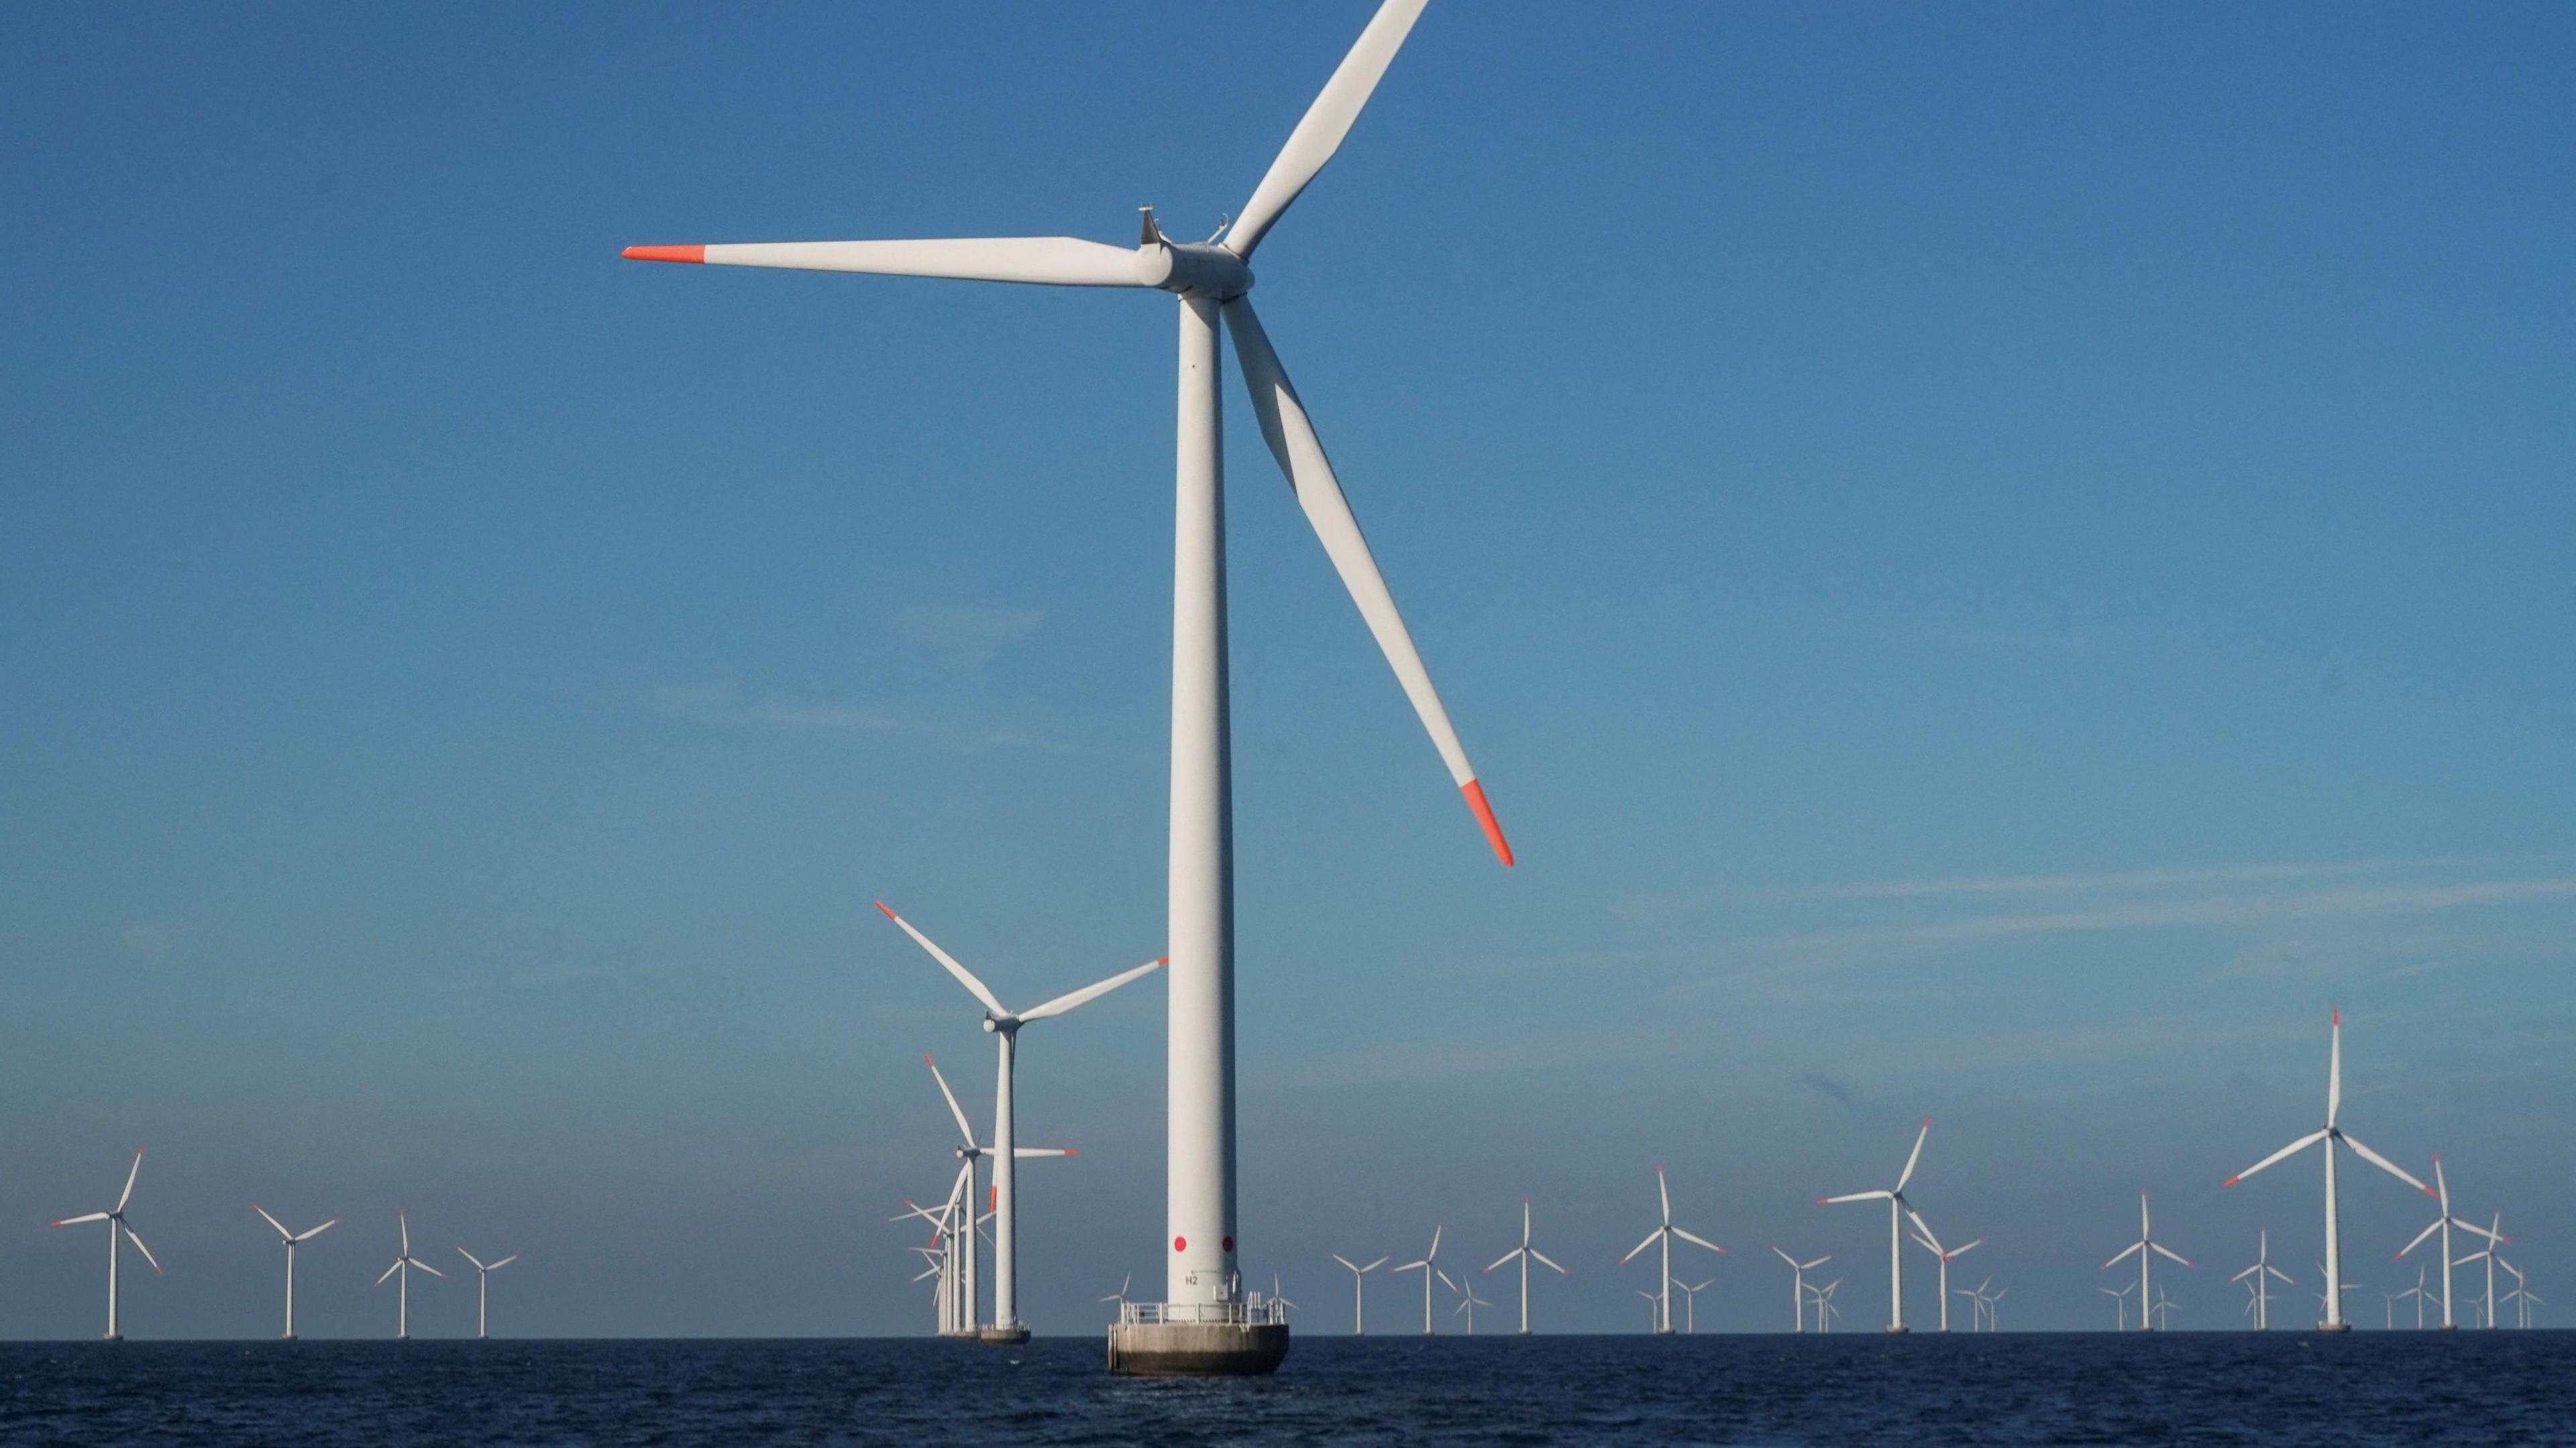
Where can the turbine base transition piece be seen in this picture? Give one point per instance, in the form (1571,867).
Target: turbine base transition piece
(1197,1349)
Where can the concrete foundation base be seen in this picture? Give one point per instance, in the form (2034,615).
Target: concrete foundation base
(2334,1327)
(1005,1336)
(1197,1349)
(1899,1329)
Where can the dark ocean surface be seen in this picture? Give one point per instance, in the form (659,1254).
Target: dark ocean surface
(1847,1389)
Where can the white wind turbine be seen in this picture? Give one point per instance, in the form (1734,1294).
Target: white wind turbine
(2145,1245)
(2257,1284)
(1211,282)
(291,1241)
(1004,1024)
(1665,1235)
(1896,1207)
(2340,1289)
(1359,1308)
(2443,1224)
(2520,1296)
(1993,1304)
(116,1224)
(969,1154)
(1120,1296)
(1468,1302)
(1690,1304)
(2164,1310)
(402,1290)
(2332,1135)
(2487,1254)
(1826,1312)
(1427,1266)
(1526,1254)
(2120,1299)
(483,1288)
(1280,1297)
(1932,1244)
(955,1267)
(1798,1285)
(1654,1312)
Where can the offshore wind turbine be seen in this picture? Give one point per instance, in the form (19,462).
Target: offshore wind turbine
(968,1154)
(1690,1303)
(402,1290)
(483,1288)
(1526,1254)
(1004,1025)
(1359,1308)
(2443,1224)
(2487,1254)
(116,1223)
(1826,1312)
(1932,1244)
(291,1241)
(2145,1244)
(1665,1234)
(2261,1288)
(1798,1285)
(2332,1136)
(1896,1208)
(1211,282)
(2120,1298)
(1427,1266)
(1468,1301)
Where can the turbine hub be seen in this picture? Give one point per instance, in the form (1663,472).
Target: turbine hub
(1192,269)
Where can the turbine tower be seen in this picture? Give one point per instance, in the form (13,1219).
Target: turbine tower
(1798,1286)
(2262,1289)
(1004,1024)
(402,1290)
(1897,1206)
(2144,1247)
(2443,1224)
(116,1224)
(1428,1266)
(483,1288)
(1204,1326)
(291,1241)
(1665,1234)
(1527,1254)
(2332,1136)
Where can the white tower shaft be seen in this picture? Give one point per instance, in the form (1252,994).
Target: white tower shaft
(1006,1293)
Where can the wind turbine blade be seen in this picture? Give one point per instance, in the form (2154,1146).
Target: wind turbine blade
(2428,1231)
(1345,1261)
(130,1174)
(2257,1267)
(2475,1228)
(1702,1241)
(1380,1262)
(1925,1228)
(1025,1152)
(1292,439)
(964,976)
(1541,1257)
(425,1267)
(2284,1276)
(1320,131)
(76,1221)
(2383,1163)
(1409,1266)
(2293,1149)
(1819,1262)
(272,1221)
(390,1271)
(963,1129)
(2124,1255)
(1666,1194)
(403,1222)
(1061,261)
(1855,1197)
(1435,1243)
(1642,1246)
(317,1231)
(1785,1257)
(504,1262)
(1964,1251)
(2334,1072)
(1068,1001)
(935,1271)
(139,1247)
(2161,1251)
(1914,1156)
(1506,1257)
(470,1257)
(1444,1279)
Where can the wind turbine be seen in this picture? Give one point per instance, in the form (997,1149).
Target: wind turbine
(1896,1207)
(1979,1305)
(1359,1315)
(116,1223)
(969,1154)
(2340,1289)
(483,1287)
(1932,1244)
(1994,1305)
(957,1278)
(1690,1304)
(1826,1312)
(2145,1244)
(1120,1296)
(291,1241)
(2520,1296)
(1280,1297)
(1654,1312)
(1468,1301)
(1427,1266)
(2443,1224)
(2120,1300)
(1665,1235)
(1004,1025)
(2164,1310)
(402,1290)
(2421,1294)
(1211,282)
(1798,1284)
(1526,1253)
(2487,1254)
(2261,1288)
(2332,1135)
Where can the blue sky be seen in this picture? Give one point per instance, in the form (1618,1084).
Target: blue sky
(1995,562)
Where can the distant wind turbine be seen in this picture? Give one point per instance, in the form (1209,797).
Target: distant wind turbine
(402,1290)
(1896,1206)
(2332,1136)
(1798,1286)
(483,1288)
(1120,1296)
(1690,1303)
(1665,1235)
(291,1241)
(2145,1244)
(1427,1266)
(1526,1254)
(1826,1312)
(1359,1308)
(1932,1244)
(2254,1279)
(116,1223)
(2443,1223)
(1004,1025)
(2487,1254)
(1468,1301)
(2120,1300)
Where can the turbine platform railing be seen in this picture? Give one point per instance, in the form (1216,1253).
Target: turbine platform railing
(1255,1311)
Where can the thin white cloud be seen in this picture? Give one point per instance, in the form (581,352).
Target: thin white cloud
(969,635)
(720,704)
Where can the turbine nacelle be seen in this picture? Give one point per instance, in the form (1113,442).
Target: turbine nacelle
(1191,269)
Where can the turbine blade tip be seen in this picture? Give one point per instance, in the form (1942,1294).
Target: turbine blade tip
(2338,1015)
(665,253)
(1073,1151)
(1474,790)
(2231,1181)
(881,905)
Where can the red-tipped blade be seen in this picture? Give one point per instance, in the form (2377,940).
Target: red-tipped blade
(1475,792)
(665,253)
